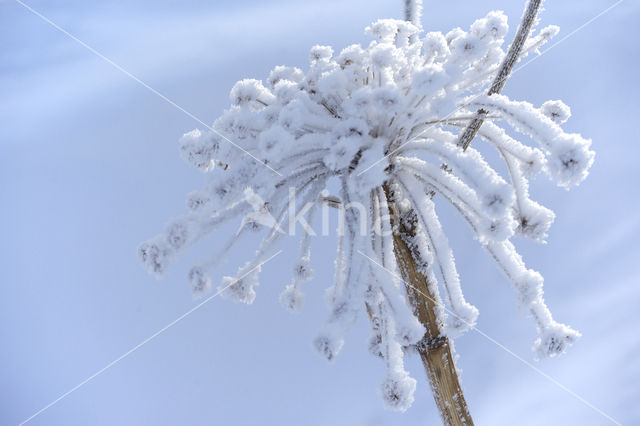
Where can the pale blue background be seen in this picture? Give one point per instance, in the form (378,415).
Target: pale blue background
(89,168)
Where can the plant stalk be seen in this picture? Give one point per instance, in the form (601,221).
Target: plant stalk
(434,348)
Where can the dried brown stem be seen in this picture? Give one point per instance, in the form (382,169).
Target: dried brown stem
(434,348)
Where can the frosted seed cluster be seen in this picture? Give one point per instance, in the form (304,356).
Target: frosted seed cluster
(385,114)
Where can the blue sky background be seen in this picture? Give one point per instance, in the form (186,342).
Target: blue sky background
(89,168)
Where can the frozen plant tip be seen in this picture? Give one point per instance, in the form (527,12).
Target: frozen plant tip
(383,122)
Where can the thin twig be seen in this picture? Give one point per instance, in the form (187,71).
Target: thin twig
(413,11)
(530,14)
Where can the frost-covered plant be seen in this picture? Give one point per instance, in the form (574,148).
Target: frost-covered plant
(383,121)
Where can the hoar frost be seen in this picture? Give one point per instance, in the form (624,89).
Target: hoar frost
(388,113)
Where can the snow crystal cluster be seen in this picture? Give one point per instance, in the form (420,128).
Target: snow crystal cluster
(382,119)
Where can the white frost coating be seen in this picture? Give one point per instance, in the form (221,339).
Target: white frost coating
(388,114)
(284,74)
(241,289)
(292,298)
(463,197)
(568,155)
(495,194)
(200,283)
(530,160)
(250,92)
(408,328)
(533,219)
(347,295)
(535,42)
(196,200)
(464,315)
(155,255)
(557,111)
(246,293)
(554,337)
(397,390)
(554,340)
(493,26)
(419,246)
(398,387)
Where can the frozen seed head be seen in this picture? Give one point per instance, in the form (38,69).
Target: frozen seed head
(240,289)
(467,47)
(496,229)
(155,255)
(178,234)
(534,221)
(198,149)
(351,56)
(285,74)
(196,200)
(554,340)
(292,298)
(327,346)
(435,47)
(246,92)
(493,26)
(200,283)
(570,160)
(302,271)
(557,111)
(382,120)
(397,392)
(320,53)
(237,290)
(532,163)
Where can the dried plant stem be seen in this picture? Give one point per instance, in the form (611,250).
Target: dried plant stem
(413,11)
(434,349)
(529,17)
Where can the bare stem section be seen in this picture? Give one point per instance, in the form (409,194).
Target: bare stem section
(528,19)
(413,11)
(434,349)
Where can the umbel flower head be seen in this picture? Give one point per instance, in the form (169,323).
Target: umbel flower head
(383,121)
